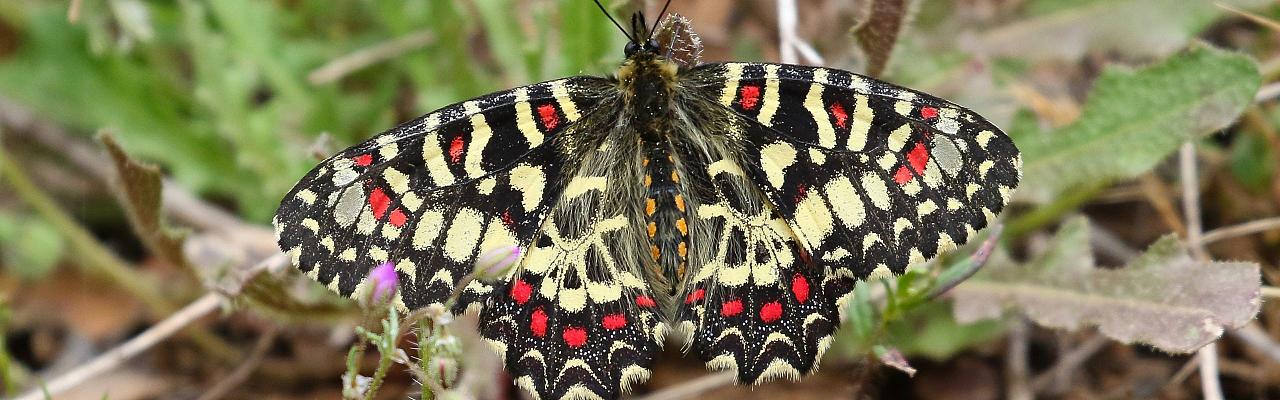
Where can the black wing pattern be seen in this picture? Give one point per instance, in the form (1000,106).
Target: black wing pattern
(821,178)
(434,193)
(506,169)
(579,320)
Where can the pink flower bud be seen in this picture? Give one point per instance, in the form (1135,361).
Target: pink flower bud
(384,281)
(497,263)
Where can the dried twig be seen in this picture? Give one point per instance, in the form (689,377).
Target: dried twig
(241,373)
(1069,362)
(692,388)
(1015,362)
(345,65)
(787,36)
(155,334)
(1247,228)
(111,359)
(73,11)
(1258,338)
(1210,385)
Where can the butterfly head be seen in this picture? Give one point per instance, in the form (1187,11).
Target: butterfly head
(641,37)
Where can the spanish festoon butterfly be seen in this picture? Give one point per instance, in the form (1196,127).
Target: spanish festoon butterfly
(730,205)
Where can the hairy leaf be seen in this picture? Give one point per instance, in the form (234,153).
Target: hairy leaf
(1133,120)
(878,33)
(138,187)
(1068,29)
(1164,298)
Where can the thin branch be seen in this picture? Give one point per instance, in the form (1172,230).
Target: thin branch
(1069,362)
(787,36)
(1210,386)
(345,65)
(1267,92)
(155,334)
(1257,19)
(112,359)
(1254,336)
(1191,200)
(1247,228)
(1015,362)
(1271,291)
(692,388)
(241,373)
(73,11)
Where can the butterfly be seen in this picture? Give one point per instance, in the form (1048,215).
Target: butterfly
(731,206)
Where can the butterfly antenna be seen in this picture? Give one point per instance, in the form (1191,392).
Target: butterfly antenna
(615,22)
(658,21)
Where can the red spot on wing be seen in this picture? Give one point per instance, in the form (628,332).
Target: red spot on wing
(378,202)
(575,337)
(750,96)
(547,113)
(841,116)
(645,301)
(902,175)
(695,296)
(456,148)
(918,158)
(800,288)
(520,292)
(363,160)
(928,112)
(731,308)
(802,190)
(771,312)
(398,218)
(506,219)
(614,321)
(538,322)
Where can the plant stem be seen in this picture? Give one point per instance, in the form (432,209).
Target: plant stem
(1052,212)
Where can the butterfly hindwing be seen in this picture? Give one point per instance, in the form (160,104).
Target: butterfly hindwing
(433,194)
(754,305)
(578,319)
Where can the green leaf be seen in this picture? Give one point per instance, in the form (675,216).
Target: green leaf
(1068,29)
(1164,298)
(1133,120)
(931,331)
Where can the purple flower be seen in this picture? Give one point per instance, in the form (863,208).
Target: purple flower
(384,281)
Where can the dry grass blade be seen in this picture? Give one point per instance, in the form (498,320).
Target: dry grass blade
(345,65)
(1257,19)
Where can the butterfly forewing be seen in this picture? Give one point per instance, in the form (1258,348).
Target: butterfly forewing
(431,195)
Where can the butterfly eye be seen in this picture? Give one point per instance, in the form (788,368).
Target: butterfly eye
(652,46)
(631,48)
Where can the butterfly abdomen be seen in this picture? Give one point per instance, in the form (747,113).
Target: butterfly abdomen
(665,217)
